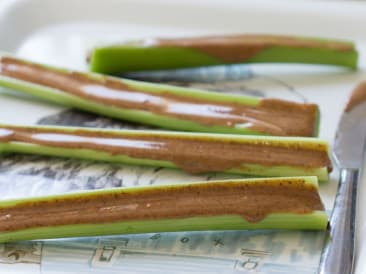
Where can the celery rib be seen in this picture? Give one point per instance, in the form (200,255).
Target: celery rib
(21,227)
(206,144)
(140,56)
(160,105)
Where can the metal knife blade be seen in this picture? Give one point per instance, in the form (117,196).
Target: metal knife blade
(348,152)
(351,133)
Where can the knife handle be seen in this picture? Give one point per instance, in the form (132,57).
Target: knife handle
(338,253)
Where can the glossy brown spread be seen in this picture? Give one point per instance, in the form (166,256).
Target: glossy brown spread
(239,48)
(252,201)
(358,96)
(191,153)
(270,116)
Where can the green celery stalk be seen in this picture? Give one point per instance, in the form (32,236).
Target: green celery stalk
(294,145)
(185,52)
(169,120)
(21,226)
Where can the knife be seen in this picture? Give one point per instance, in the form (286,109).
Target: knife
(348,153)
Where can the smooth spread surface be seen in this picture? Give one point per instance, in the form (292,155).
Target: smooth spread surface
(270,116)
(238,48)
(358,96)
(192,154)
(253,201)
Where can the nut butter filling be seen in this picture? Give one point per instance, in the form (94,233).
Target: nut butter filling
(253,201)
(270,116)
(358,96)
(192,154)
(239,48)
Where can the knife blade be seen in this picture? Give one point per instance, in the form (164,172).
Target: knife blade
(348,153)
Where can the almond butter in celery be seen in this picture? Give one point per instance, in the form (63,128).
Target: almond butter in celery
(160,105)
(173,53)
(271,203)
(191,152)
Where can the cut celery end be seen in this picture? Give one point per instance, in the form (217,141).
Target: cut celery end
(317,220)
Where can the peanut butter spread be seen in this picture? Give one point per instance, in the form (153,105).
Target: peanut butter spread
(194,155)
(239,48)
(252,201)
(358,96)
(269,116)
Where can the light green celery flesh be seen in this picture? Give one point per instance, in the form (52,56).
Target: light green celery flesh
(88,154)
(138,116)
(314,221)
(119,59)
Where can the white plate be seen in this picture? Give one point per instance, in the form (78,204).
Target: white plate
(60,32)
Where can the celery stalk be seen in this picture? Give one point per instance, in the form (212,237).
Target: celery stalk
(49,206)
(141,56)
(293,145)
(188,110)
